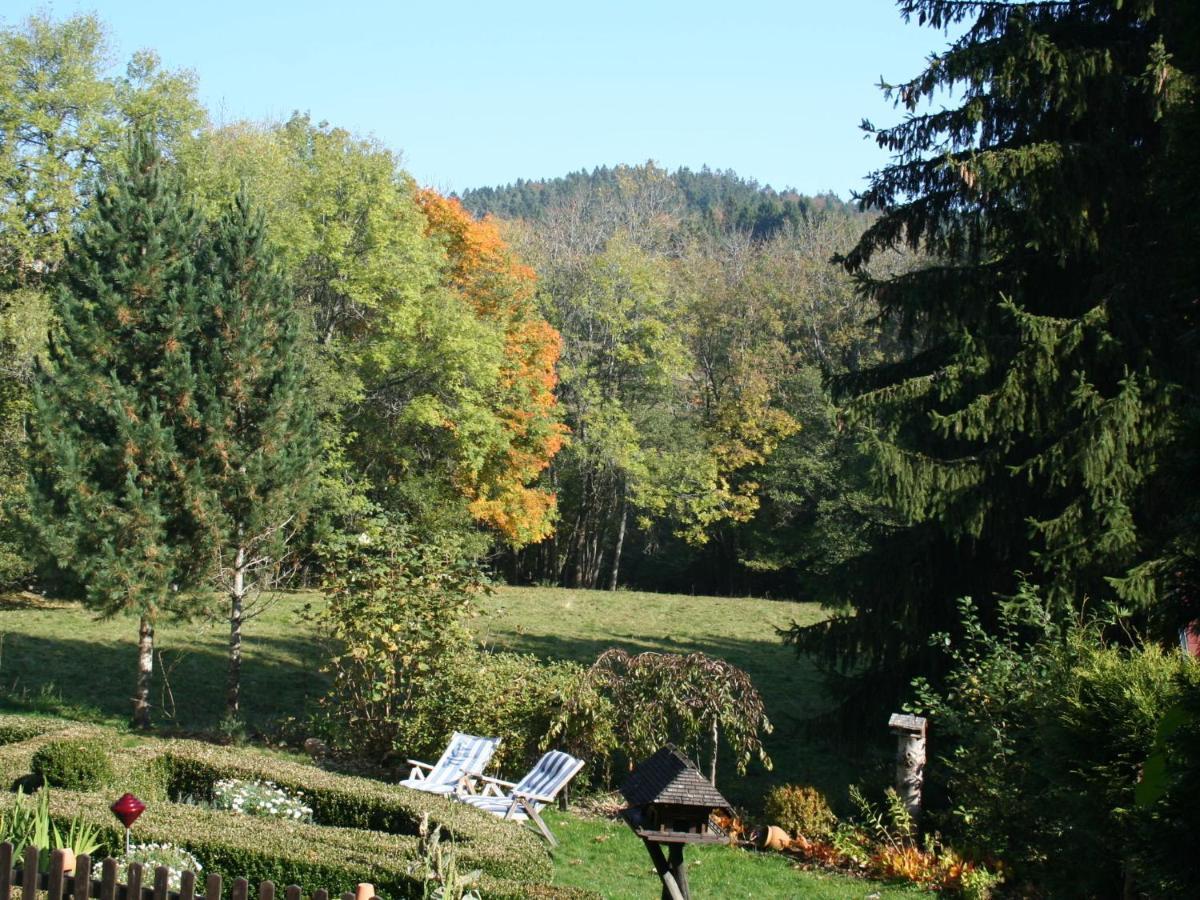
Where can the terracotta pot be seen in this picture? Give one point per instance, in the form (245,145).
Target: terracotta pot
(68,861)
(364,891)
(776,838)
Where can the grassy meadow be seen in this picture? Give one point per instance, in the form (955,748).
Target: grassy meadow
(58,659)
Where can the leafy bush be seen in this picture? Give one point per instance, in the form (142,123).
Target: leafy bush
(259,798)
(1167,816)
(800,810)
(533,706)
(407,672)
(75,765)
(883,842)
(176,859)
(687,700)
(395,620)
(1044,731)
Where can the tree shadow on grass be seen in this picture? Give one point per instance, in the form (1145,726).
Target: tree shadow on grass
(93,679)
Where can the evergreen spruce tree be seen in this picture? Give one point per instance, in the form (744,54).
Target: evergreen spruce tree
(115,490)
(259,444)
(1026,436)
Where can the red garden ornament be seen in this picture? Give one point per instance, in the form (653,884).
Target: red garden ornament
(127,809)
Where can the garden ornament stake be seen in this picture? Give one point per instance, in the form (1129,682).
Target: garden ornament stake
(910,734)
(127,809)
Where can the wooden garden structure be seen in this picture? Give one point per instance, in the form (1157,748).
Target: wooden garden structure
(671,805)
(59,884)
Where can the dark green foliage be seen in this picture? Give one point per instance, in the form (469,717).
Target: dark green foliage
(1167,815)
(258,454)
(715,202)
(1042,732)
(1026,435)
(75,765)
(116,494)
(799,810)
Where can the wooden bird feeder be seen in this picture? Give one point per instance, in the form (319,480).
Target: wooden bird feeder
(671,803)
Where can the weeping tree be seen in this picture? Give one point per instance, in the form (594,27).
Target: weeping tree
(1024,439)
(116,490)
(690,700)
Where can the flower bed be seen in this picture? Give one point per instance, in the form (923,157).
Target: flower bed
(260,798)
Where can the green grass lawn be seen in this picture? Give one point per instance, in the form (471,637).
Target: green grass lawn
(57,658)
(606,857)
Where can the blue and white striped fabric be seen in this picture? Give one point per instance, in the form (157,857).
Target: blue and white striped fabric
(466,754)
(543,783)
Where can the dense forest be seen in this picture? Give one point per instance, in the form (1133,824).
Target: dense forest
(703,324)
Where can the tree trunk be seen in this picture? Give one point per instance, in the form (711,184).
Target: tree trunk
(237,596)
(141,694)
(712,776)
(616,566)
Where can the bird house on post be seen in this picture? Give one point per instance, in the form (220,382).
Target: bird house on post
(671,803)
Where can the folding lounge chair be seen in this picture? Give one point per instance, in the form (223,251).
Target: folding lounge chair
(465,758)
(526,798)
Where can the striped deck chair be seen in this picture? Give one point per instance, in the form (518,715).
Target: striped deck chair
(526,798)
(465,759)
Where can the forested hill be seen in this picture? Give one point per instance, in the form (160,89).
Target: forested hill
(713,199)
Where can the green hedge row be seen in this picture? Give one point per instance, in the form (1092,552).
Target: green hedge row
(365,830)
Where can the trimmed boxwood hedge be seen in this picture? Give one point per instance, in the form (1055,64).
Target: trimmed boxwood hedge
(75,764)
(364,830)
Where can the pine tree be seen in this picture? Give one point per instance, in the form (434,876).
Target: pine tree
(259,444)
(1024,438)
(115,492)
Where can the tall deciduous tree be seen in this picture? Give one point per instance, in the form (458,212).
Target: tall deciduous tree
(258,442)
(1024,440)
(117,492)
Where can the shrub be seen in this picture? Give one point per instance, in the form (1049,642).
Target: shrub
(800,810)
(75,765)
(690,700)
(176,859)
(395,618)
(1043,732)
(532,706)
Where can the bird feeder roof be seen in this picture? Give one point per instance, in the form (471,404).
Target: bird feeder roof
(669,777)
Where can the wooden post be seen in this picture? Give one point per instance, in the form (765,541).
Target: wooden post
(83,877)
(910,734)
(6,871)
(671,888)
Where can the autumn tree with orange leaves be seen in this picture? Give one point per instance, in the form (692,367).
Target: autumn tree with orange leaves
(501,487)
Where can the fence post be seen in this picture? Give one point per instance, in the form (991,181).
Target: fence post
(82,879)
(133,882)
(29,883)
(6,870)
(162,883)
(57,880)
(108,879)
(212,887)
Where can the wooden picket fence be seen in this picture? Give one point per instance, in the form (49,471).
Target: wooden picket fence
(59,885)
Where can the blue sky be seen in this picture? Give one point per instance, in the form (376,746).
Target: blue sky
(475,94)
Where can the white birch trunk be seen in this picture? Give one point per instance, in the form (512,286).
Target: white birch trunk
(145,669)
